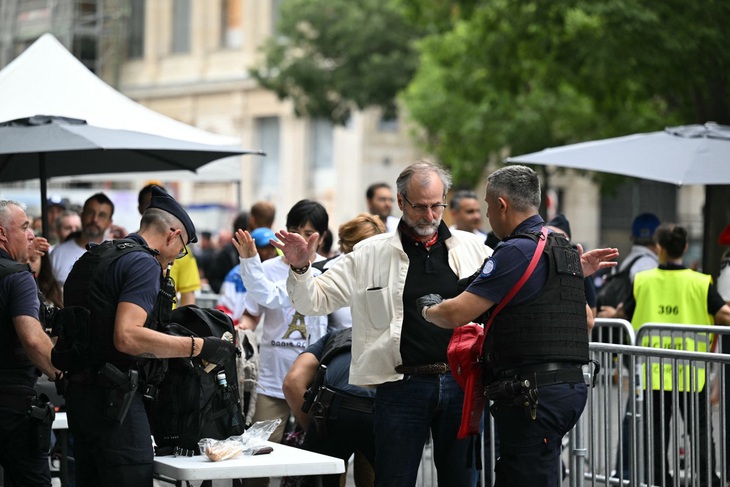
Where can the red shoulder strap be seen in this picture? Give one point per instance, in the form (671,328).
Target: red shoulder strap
(518,285)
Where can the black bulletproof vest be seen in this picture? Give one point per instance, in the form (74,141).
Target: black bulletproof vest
(85,287)
(337,343)
(552,326)
(12,354)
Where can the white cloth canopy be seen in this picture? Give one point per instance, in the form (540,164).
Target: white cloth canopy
(46,79)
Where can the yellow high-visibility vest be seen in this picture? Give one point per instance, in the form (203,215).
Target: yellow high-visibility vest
(678,297)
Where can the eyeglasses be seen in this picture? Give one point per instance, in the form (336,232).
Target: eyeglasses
(184,250)
(436,207)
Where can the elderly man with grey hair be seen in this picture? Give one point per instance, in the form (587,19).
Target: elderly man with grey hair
(393,347)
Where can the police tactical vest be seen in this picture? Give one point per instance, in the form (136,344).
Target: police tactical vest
(552,326)
(84,288)
(337,343)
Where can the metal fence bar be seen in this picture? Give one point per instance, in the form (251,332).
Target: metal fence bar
(693,369)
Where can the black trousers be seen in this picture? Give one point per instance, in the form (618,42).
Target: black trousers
(22,463)
(108,453)
(346,432)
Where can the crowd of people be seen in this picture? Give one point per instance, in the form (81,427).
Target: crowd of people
(374,318)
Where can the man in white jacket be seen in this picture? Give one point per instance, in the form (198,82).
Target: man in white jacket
(393,347)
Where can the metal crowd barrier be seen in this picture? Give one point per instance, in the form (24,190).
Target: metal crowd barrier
(592,450)
(600,437)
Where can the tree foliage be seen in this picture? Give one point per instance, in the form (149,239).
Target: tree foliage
(487,77)
(527,75)
(335,55)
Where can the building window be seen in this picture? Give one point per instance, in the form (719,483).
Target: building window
(135,49)
(231,24)
(388,124)
(180,26)
(322,163)
(267,174)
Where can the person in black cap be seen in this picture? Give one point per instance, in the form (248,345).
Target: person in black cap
(121,293)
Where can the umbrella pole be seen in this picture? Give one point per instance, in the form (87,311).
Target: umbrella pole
(44,198)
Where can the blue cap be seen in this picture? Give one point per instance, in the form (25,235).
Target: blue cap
(165,202)
(262,236)
(644,225)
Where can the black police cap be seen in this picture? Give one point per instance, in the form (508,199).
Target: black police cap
(165,202)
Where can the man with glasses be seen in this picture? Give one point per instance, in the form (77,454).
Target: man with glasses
(123,294)
(393,347)
(185,271)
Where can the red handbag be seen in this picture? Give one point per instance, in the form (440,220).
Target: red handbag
(465,352)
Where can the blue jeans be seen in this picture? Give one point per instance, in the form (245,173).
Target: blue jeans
(529,450)
(405,411)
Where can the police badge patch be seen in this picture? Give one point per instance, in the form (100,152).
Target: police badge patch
(488,268)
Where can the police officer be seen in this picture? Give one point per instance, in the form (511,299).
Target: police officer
(106,413)
(338,420)
(541,336)
(24,348)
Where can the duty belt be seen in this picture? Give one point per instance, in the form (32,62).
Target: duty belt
(547,373)
(430,369)
(18,398)
(329,397)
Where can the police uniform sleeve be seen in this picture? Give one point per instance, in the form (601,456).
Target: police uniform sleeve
(22,295)
(140,276)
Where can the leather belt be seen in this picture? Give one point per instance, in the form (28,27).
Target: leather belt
(543,367)
(547,373)
(329,397)
(430,369)
(19,399)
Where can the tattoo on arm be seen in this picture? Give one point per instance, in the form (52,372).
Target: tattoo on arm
(147,355)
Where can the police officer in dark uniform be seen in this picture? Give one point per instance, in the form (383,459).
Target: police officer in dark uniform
(338,417)
(538,342)
(24,349)
(104,400)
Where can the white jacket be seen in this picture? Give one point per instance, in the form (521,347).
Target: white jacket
(370,280)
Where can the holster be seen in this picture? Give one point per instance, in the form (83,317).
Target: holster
(119,396)
(42,413)
(514,392)
(319,413)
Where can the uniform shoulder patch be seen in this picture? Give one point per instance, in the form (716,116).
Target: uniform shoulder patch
(489,267)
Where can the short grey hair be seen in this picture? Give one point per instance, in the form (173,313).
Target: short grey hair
(420,170)
(519,185)
(161,221)
(5,210)
(463,194)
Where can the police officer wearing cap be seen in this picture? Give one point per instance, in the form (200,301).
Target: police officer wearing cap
(541,336)
(116,449)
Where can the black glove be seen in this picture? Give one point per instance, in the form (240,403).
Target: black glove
(427,301)
(217,350)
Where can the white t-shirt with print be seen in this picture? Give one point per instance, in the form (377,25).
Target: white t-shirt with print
(285,333)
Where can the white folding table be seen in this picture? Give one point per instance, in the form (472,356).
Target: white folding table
(60,426)
(283,461)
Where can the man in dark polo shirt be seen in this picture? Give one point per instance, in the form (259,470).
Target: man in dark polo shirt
(24,349)
(114,448)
